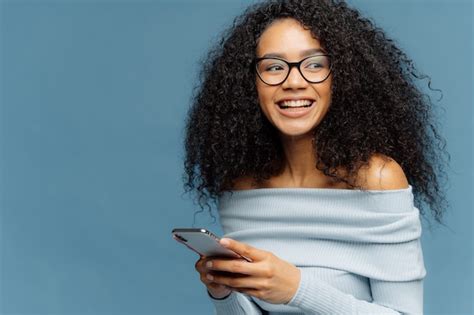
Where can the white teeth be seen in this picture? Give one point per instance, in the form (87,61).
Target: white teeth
(296,103)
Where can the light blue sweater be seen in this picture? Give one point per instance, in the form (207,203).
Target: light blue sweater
(358,252)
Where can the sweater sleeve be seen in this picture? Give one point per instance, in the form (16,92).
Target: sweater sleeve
(236,303)
(315,296)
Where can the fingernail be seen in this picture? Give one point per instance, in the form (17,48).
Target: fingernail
(209,264)
(225,242)
(209,277)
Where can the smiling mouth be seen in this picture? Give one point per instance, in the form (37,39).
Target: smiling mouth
(294,106)
(303,106)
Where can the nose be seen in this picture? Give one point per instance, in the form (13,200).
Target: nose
(294,80)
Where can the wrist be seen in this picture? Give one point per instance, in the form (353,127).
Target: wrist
(295,286)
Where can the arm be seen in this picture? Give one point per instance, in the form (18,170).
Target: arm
(317,297)
(235,303)
(271,279)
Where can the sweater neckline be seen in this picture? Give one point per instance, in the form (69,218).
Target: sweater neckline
(318,190)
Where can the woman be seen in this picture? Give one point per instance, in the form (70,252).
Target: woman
(309,131)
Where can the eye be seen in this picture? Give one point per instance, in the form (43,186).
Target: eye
(274,68)
(314,65)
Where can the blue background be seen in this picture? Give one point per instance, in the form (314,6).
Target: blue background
(93,100)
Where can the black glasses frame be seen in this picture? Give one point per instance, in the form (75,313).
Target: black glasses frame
(291,65)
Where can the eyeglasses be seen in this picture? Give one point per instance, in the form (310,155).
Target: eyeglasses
(274,71)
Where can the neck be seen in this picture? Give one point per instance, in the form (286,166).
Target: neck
(300,170)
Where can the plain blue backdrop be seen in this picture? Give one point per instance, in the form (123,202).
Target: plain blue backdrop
(93,101)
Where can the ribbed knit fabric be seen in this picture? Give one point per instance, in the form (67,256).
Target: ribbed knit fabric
(358,251)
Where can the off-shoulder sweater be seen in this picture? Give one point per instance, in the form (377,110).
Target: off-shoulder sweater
(359,252)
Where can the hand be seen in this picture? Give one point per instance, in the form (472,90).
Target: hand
(267,277)
(216,290)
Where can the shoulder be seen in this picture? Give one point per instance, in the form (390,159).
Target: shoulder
(382,173)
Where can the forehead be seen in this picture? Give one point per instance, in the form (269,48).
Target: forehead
(287,38)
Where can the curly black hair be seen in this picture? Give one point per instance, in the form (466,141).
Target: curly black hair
(376,107)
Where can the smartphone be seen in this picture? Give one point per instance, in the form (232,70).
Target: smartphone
(203,242)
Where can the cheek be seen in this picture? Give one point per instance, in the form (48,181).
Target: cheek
(325,90)
(265,92)
(329,92)
(264,95)
(328,86)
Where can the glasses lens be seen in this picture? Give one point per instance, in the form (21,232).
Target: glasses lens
(316,68)
(272,71)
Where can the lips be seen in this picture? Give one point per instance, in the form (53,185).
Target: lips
(294,103)
(295,112)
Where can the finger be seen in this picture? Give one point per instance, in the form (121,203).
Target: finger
(236,281)
(243,249)
(197,264)
(240,266)
(207,279)
(200,265)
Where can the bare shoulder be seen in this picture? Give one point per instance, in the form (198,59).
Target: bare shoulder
(382,173)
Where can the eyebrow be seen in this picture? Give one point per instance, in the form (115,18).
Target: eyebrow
(302,53)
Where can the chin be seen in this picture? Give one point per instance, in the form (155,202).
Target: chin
(296,132)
